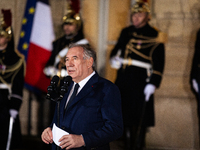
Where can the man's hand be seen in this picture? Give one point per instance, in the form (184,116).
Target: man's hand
(47,136)
(71,141)
(148,90)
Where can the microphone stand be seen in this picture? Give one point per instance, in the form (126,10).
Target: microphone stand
(58,117)
(63,90)
(58,99)
(58,111)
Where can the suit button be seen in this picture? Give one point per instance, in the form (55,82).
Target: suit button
(63,127)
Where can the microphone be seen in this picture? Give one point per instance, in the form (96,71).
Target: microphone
(66,83)
(53,86)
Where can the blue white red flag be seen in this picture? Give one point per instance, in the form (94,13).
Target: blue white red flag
(35,43)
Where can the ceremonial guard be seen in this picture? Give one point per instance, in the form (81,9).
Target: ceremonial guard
(139,56)
(73,29)
(12,69)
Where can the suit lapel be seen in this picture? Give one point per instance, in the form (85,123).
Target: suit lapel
(85,90)
(64,100)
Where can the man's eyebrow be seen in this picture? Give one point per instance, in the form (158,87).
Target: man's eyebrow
(72,56)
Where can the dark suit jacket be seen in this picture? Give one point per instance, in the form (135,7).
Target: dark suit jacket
(95,113)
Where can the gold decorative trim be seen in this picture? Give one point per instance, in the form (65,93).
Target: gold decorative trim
(12,70)
(13,67)
(129,47)
(22,57)
(157,72)
(151,52)
(162,37)
(151,42)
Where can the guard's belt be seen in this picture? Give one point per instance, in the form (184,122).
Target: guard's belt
(138,63)
(4,86)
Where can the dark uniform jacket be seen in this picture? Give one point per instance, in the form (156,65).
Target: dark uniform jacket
(11,74)
(144,45)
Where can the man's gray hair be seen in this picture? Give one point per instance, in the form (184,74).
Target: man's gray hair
(88,52)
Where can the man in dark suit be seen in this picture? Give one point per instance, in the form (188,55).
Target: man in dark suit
(139,55)
(93,118)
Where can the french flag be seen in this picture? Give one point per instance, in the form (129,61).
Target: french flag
(35,43)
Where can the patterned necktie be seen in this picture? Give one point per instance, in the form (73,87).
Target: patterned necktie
(73,95)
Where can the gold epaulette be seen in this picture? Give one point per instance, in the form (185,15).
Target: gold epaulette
(19,54)
(23,59)
(162,37)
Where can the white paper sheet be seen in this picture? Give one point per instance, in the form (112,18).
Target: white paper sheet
(57,134)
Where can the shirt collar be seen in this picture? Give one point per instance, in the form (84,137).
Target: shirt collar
(84,81)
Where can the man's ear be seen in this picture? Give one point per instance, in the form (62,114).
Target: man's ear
(90,62)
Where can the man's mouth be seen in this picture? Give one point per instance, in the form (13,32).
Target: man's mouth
(71,71)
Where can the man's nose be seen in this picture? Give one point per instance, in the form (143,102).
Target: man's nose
(136,18)
(69,63)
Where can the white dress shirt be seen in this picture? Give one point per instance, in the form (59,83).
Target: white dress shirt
(81,85)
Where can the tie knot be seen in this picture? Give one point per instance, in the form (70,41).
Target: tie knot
(76,88)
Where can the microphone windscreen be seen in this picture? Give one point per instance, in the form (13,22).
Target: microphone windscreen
(67,80)
(52,87)
(66,83)
(55,80)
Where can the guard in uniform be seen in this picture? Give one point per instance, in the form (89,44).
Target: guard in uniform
(139,56)
(12,66)
(73,29)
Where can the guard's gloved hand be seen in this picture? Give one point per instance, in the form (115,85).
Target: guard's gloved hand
(50,71)
(116,62)
(148,90)
(195,85)
(13,113)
